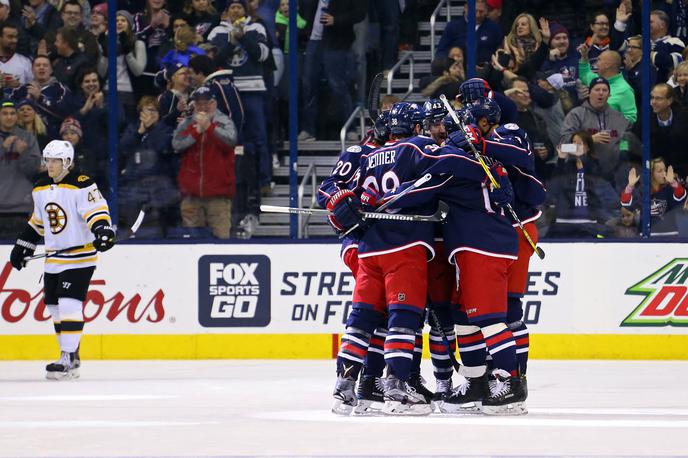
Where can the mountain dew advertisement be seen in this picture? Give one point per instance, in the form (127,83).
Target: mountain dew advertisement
(665,297)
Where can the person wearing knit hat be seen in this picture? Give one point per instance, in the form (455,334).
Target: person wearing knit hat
(99,17)
(241,2)
(71,126)
(127,15)
(598,80)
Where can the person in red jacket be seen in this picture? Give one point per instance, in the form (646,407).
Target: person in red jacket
(206,178)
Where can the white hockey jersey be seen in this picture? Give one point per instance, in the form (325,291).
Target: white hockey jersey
(64,213)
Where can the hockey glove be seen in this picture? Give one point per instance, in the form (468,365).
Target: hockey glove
(105,236)
(463,140)
(370,199)
(24,247)
(505,194)
(345,207)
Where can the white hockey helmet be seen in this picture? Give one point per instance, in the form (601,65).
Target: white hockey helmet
(59,149)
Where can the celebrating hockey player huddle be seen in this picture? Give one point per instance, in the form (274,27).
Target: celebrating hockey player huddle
(467,274)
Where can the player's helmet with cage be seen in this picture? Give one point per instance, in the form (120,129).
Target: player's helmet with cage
(403,118)
(434,111)
(464,116)
(381,127)
(473,89)
(485,107)
(59,149)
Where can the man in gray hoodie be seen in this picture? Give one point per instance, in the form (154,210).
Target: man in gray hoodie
(606,125)
(20,160)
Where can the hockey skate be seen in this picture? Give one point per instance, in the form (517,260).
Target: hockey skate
(417,382)
(506,396)
(63,369)
(402,399)
(370,396)
(344,396)
(467,397)
(443,389)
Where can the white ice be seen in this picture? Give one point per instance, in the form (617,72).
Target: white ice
(281,408)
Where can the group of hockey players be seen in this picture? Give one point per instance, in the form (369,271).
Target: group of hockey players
(465,275)
(72,216)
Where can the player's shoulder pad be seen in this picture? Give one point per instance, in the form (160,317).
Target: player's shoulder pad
(512,126)
(42,179)
(354,149)
(78,179)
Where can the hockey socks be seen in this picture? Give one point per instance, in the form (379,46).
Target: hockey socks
(501,345)
(417,353)
(71,323)
(472,347)
(375,359)
(439,351)
(522,337)
(399,346)
(352,351)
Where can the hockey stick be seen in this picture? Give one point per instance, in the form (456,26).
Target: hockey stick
(419,182)
(374,96)
(539,251)
(50,254)
(435,323)
(439,215)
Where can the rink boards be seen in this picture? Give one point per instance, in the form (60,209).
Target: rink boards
(289,301)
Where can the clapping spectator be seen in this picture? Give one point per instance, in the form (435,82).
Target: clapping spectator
(85,43)
(527,45)
(206,178)
(92,110)
(152,27)
(70,59)
(39,17)
(201,15)
(31,121)
(131,62)
(174,102)
(667,196)
(20,161)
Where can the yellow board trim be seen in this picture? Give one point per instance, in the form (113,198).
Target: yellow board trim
(323,346)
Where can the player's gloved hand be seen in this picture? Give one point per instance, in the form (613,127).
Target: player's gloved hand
(345,207)
(462,140)
(505,194)
(21,250)
(105,236)
(371,199)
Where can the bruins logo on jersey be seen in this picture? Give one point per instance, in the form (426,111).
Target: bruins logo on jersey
(57,217)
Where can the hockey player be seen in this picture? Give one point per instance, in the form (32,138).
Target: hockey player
(475,88)
(69,211)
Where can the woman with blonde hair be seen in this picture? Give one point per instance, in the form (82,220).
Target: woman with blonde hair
(680,78)
(32,122)
(525,48)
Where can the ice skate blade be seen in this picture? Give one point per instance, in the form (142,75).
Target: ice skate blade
(339,408)
(396,408)
(62,376)
(366,408)
(468,408)
(513,409)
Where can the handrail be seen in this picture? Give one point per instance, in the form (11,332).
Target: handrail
(433,20)
(302,230)
(358,111)
(390,76)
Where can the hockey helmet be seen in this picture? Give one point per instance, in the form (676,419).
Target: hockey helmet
(433,111)
(404,117)
(485,107)
(472,89)
(59,149)
(464,116)
(381,127)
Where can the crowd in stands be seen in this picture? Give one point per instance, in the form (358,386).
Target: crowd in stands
(203,94)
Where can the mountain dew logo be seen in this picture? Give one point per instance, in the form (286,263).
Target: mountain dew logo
(666,297)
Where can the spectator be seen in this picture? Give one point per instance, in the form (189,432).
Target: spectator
(606,125)
(667,196)
(527,44)
(680,85)
(599,41)
(494,10)
(15,68)
(448,81)
(562,59)
(633,55)
(151,27)
(203,72)
(329,46)
(622,97)
(174,102)
(85,158)
(131,62)
(202,16)
(184,48)
(148,177)
(98,27)
(31,122)
(534,125)
(86,42)
(627,223)
(282,27)
(51,98)
(70,60)
(583,202)
(20,161)
(242,46)
(206,177)
(6,17)
(39,17)
(177,23)
(666,50)
(488,34)
(92,111)
(668,129)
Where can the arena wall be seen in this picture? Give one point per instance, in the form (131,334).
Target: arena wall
(187,301)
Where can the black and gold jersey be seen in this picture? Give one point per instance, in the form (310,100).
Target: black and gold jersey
(64,213)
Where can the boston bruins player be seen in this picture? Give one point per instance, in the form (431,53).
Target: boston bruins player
(68,211)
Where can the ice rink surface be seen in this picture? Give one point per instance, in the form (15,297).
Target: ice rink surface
(281,408)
